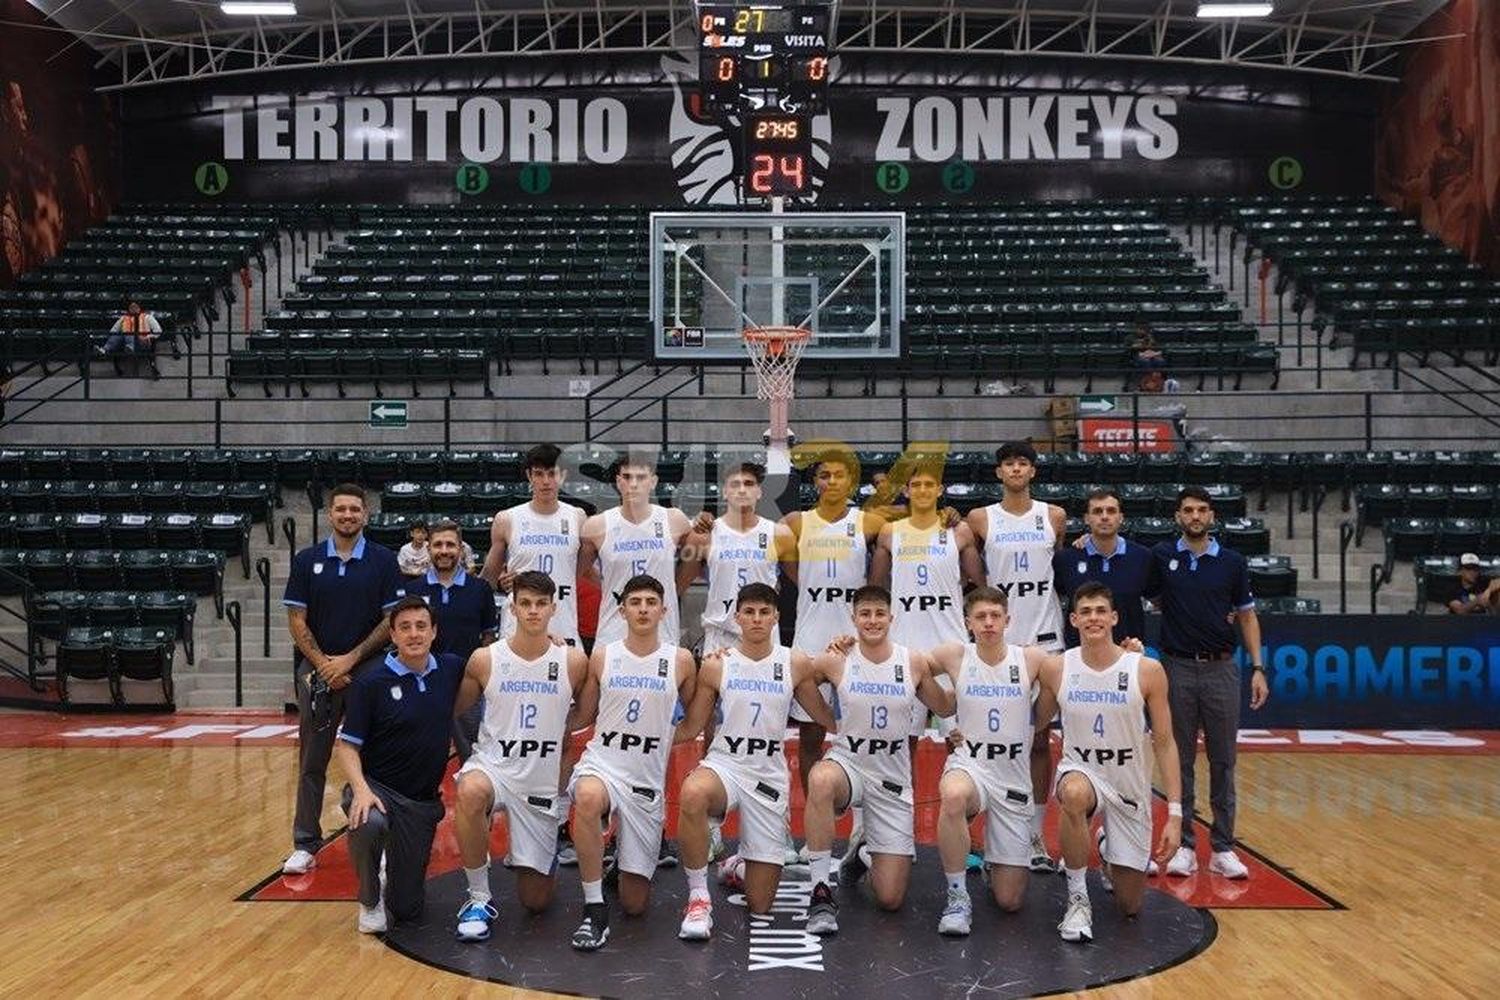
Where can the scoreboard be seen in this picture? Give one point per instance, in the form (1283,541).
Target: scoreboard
(764,68)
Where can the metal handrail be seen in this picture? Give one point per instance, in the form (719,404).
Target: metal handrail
(1346,537)
(232,612)
(263,570)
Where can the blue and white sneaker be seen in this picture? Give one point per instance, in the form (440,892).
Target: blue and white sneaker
(474,921)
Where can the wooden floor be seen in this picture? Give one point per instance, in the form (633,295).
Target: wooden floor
(120,869)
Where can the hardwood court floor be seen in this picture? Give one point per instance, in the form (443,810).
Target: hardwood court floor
(120,869)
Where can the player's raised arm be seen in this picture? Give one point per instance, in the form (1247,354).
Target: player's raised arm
(970,560)
(701,708)
(880,559)
(1153,680)
(687,677)
(805,678)
(942,700)
(494,559)
(792,525)
(476,678)
(586,698)
(693,552)
(1049,676)
(589,545)
(979,524)
(1059,519)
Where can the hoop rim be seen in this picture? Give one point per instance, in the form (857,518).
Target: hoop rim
(776,334)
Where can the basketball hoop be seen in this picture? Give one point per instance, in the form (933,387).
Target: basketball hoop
(774,352)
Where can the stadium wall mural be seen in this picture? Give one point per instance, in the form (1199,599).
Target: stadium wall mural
(913,131)
(58,142)
(1439,153)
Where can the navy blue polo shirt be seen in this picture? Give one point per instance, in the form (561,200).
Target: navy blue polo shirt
(462,611)
(402,722)
(1198,593)
(344,598)
(1129,572)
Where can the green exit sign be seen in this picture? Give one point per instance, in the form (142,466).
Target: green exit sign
(388,413)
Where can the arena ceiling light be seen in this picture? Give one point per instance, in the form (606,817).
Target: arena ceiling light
(1207,9)
(258,8)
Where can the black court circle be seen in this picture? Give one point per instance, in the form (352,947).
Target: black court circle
(1007,955)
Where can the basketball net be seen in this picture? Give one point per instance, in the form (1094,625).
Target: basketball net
(774,353)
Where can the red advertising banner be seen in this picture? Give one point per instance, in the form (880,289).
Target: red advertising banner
(1114,434)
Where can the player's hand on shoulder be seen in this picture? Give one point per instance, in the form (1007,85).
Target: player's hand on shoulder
(556,640)
(703,524)
(1133,645)
(505,580)
(951,517)
(954,739)
(840,645)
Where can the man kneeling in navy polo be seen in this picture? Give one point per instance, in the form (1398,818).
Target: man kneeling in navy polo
(393,745)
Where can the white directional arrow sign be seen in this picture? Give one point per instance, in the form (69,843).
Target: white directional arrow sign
(388,413)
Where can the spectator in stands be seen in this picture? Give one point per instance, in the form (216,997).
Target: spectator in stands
(463,607)
(414,557)
(336,598)
(1205,590)
(1476,592)
(1103,555)
(134,333)
(394,748)
(1157,380)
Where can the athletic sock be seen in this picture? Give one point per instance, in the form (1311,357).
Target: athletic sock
(956,881)
(593,892)
(1038,813)
(1076,883)
(697,879)
(479,882)
(819,862)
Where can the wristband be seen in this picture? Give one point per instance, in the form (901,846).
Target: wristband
(1174,809)
(1261,667)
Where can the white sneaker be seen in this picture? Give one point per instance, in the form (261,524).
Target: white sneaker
(1104,879)
(1041,861)
(1078,922)
(697,920)
(717,849)
(1228,864)
(372,919)
(1152,868)
(957,915)
(1184,862)
(299,862)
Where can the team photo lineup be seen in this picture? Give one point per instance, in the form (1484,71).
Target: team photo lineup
(903,610)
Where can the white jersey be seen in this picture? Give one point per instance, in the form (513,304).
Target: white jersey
(736,559)
(633,732)
(994,714)
(831,566)
(548,543)
(875,702)
(525,720)
(755,697)
(927,591)
(632,550)
(1018,560)
(1104,723)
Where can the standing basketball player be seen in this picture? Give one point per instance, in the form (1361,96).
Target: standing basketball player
(1020,535)
(1106,765)
(926,564)
(745,769)
(637,538)
(989,769)
(737,549)
(833,544)
(529,686)
(623,770)
(543,534)
(870,763)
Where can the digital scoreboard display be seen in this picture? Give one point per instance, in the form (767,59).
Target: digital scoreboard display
(778,155)
(754,58)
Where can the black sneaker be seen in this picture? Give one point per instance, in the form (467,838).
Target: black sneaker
(823,914)
(666,856)
(852,867)
(594,931)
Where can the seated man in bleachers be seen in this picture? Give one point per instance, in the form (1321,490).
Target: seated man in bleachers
(134,333)
(1477,593)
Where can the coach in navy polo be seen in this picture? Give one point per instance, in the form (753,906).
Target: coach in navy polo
(1205,591)
(394,748)
(463,606)
(1105,556)
(336,598)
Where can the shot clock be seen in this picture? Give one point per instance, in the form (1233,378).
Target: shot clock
(778,155)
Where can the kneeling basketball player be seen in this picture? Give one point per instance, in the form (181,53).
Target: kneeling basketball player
(623,770)
(876,682)
(528,684)
(745,769)
(1106,766)
(989,769)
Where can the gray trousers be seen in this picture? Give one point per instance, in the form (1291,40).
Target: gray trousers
(403,835)
(314,748)
(1206,697)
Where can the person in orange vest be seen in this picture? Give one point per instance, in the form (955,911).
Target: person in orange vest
(134,332)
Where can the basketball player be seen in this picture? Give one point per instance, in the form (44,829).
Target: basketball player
(637,538)
(926,564)
(737,549)
(744,770)
(833,543)
(870,762)
(528,685)
(623,770)
(544,534)
(989,769)
(1019,536)
(1106,765)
